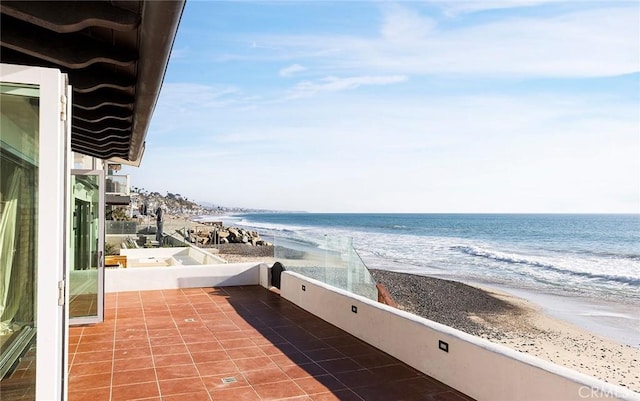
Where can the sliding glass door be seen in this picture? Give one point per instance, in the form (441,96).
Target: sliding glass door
(86,247)
(33,198)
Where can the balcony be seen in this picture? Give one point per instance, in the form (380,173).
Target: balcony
(312,341)
(231,343)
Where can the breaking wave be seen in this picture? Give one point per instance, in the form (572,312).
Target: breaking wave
(518,260)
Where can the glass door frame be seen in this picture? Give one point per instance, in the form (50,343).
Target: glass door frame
(52,200)
(99,317)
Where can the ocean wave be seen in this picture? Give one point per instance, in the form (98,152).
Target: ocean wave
(609,314)
(516,260)
(399,227)
(270,226)
(613,255)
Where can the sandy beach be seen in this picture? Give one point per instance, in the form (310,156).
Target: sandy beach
(516,323)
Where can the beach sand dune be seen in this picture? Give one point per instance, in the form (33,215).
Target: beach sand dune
(514,322)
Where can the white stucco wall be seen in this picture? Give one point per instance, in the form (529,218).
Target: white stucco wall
(170,277)
(477,367)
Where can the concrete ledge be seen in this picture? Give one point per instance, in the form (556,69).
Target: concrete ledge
(479,368)
(135,257)
(171,277)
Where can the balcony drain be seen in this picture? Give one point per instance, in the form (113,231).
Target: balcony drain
(190,320)
(227,380)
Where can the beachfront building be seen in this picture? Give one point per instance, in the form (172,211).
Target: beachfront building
(78,85)
(79,82)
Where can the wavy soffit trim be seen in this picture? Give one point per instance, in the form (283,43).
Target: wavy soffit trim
(115,53)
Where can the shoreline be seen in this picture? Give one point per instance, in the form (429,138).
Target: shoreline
(617,321)
(514,322)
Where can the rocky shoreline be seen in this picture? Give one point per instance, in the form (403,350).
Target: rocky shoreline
(215,233)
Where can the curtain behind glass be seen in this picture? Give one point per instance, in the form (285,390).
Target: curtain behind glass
(17,243)
(8,222)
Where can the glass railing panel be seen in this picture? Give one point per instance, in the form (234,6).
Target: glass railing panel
(331,260)
(117,184)
(113,227)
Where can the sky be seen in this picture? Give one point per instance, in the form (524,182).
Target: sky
(519,106)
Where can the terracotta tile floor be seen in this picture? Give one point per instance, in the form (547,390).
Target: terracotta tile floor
(231,343)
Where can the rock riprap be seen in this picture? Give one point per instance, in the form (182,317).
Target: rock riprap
(217,233)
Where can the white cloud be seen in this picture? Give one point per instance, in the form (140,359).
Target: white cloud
(335,84)
(455,7)
(181,53)
(291,70)
(405,25)
(184,106)
(189,95)
(589,43)
(256,45)
(582,44)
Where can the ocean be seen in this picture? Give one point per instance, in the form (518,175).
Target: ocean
(581,268)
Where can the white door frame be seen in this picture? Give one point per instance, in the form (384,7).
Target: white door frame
(51,307)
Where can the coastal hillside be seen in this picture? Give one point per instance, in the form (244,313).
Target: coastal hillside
(177,204)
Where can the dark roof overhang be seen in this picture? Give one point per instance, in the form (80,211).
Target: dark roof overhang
(115,53)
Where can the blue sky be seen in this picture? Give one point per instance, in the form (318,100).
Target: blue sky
(444,106)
